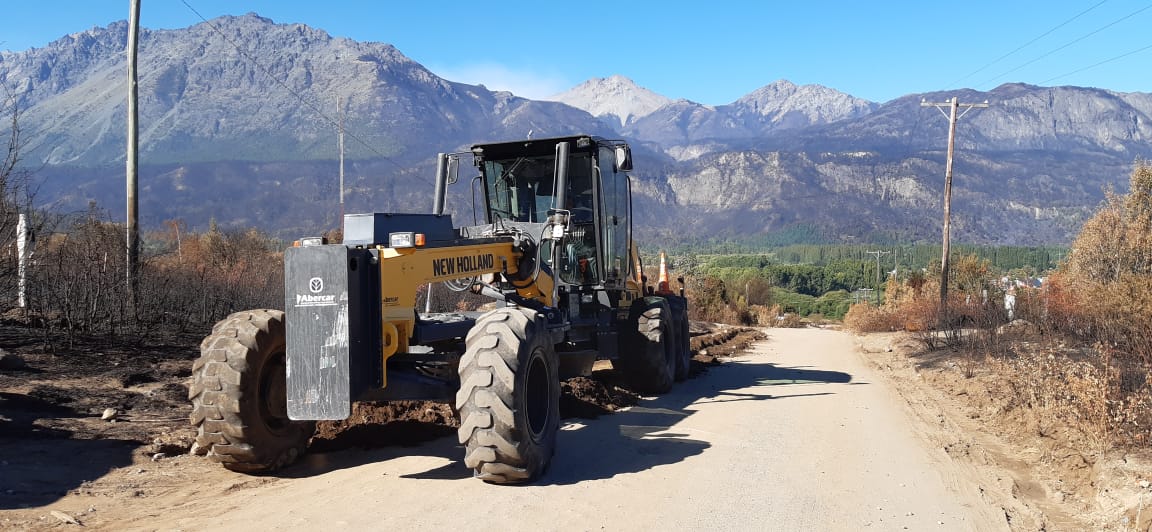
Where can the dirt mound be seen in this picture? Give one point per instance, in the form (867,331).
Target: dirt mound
(724,342)
(592,397)
(374,425)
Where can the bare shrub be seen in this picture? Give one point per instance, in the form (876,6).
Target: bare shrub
(865,317)
(1108,275)
(776,317)
(209,276)
(1101,295)
(790,320)
(918,314)
(762,315)
(1105,398)
(16,193)
(79,276)
(711,300)
(709,296)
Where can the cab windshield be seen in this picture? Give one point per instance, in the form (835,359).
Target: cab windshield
(522,189)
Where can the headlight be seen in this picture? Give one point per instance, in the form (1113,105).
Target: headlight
(401,240)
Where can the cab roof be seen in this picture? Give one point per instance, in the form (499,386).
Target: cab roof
(536,147)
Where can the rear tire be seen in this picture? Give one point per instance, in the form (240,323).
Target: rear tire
(509,398)
(648,357)
(682,344)
(239,395)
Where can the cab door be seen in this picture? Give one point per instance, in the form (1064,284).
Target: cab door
(615,218)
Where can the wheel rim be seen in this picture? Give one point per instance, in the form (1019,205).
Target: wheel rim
(537,400)
(273,391)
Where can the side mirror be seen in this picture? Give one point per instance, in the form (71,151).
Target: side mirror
(453,169)
(623,158)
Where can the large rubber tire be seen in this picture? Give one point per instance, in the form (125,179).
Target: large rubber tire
(239,395)
(682,343)
(647,357)
(509,398)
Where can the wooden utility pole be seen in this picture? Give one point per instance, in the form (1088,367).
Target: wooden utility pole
(878,255)
(953,116)
(132,158)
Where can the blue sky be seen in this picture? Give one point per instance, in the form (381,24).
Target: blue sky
(708,52)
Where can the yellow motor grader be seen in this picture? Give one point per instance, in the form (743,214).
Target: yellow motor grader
(554,251)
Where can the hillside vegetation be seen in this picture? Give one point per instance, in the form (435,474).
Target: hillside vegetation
(825,280)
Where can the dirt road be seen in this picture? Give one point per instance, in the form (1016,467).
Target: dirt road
(798,434)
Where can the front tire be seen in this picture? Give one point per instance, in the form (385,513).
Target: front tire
(239,395)
(648,357)
(509,398)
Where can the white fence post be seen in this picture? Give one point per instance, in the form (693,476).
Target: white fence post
(21,256)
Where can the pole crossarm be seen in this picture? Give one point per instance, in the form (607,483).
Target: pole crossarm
(941,105)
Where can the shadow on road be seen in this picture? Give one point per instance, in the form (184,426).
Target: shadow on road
(34,474)
(645,436)
(628,441)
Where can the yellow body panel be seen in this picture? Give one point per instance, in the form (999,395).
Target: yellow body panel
(404,270)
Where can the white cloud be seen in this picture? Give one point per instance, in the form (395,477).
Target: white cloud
(526,84)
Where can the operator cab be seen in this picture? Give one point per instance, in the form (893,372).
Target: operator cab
(520,181)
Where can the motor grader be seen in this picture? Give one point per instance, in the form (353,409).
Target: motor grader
(555,253)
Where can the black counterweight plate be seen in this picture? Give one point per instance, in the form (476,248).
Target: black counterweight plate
(316,309)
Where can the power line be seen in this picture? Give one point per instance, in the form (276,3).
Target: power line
(1025,45)
(315,108)
(1089,67)
(1070,43)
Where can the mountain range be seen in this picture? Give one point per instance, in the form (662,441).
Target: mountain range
(239,117)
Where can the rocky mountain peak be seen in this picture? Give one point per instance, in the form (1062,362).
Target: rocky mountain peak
(772,92)
(616,98)
(815,104)
(245,87)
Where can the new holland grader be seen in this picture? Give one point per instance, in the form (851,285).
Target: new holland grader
(555,253)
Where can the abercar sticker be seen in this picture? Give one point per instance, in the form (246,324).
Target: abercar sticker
(309,300)
(315,299)
(461,265)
